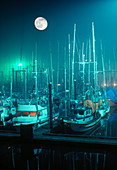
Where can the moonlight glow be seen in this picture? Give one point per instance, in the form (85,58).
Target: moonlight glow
(41,23)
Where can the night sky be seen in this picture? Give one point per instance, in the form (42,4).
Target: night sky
(18,34)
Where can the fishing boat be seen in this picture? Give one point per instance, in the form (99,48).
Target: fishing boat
(30,114)
(16,114)
(81,121)
(86,115)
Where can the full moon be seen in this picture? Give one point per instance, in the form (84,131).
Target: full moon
(41,23)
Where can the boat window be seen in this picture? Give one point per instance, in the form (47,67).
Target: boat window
(25,113)
(81,112)
(32,113)
(18,113)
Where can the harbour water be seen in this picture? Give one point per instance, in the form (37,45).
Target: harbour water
(69,155)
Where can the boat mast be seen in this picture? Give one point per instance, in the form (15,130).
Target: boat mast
(86,57)
(47,86)
(51,78)
(73,60)
(83,76)
(69,48)
(79,54)
(11,85)
(103,67)
(109,73)
(36,96)
(89,78)
(47,80)
(95,83)
(65,74)
(114,68)
(36,70)
(51,73)
(58,69)
(36,78)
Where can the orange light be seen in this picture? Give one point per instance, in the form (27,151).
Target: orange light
(32,113)
(59,84)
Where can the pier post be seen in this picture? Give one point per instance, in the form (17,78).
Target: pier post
(50,105)
(27,151)
(26,131)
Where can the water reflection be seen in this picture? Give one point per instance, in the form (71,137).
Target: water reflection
(108,126)
(54,158)
(83,160)
(28,157)
(112,123)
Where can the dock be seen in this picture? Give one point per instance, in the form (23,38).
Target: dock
(43,137)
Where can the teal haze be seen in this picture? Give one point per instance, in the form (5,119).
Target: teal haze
(18,34)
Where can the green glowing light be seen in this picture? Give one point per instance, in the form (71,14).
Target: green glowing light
(20,64)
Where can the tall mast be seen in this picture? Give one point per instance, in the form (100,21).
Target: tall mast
(36,69)
(51,83)
(79,54)
(47,80)
(36,90)
(94,57)
(86,58)
(47,86)
(65,74)
(35,77)
(58,69)
(103,67)
(73,60)
(11,85)
(89,62)
(110,71)
(114,67)
(51,70)
(83,61)
(69,48)
(51,75)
